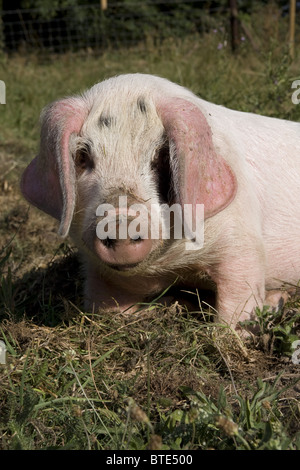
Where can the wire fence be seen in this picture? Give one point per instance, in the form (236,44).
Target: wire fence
(120,24)
(112,23)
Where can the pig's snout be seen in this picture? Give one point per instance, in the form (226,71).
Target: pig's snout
(122,246)
(122,254)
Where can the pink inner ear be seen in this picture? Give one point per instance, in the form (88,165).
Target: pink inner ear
(205,177)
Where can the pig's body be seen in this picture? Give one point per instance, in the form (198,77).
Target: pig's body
(156,142)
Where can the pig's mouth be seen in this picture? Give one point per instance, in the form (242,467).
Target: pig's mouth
(122,267)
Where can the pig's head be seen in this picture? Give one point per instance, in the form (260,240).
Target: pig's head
(110,158)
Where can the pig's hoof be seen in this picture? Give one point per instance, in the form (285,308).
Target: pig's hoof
(276,299)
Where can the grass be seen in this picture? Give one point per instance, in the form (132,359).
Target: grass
(165,378)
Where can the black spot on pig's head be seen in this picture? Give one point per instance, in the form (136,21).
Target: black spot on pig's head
(142,105)
(106,121)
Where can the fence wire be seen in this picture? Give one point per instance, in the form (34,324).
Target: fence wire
(121,24)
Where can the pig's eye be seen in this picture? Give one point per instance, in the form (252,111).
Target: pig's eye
(83,160)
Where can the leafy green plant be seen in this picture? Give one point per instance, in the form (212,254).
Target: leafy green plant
(276,329)
(207,423)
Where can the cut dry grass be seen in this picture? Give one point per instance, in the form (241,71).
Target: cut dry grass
(119,382)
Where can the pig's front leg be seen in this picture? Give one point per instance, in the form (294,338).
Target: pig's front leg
(240,288)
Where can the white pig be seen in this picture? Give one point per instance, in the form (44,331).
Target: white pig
(156,143)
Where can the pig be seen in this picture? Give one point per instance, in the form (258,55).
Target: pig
(150,143)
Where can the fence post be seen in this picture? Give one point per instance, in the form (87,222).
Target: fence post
(234,25)
(103,4)
(292,28)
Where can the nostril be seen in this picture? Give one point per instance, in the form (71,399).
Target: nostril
(136,240)
(109,242)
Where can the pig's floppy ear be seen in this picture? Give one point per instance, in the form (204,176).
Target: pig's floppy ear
(200,175)
(49,180)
